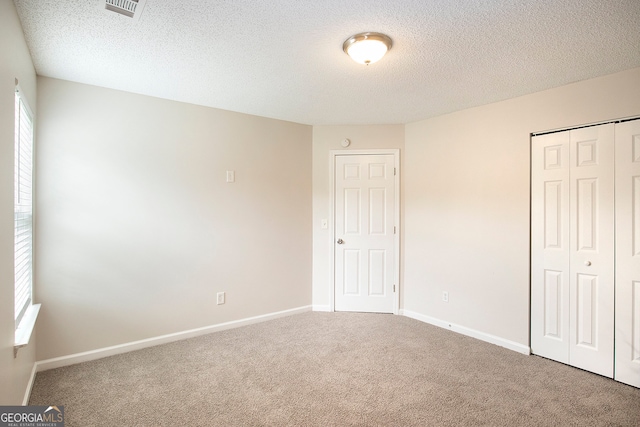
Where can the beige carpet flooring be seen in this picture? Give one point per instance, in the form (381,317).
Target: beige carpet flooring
(334,369)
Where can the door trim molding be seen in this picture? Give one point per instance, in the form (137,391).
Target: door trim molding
(333,154)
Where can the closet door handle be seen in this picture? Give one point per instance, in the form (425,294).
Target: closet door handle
(587,263)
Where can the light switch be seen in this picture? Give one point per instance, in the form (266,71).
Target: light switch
(324,224)
(231,176)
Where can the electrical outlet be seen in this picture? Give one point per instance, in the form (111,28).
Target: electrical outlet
(220,299)
(445,296)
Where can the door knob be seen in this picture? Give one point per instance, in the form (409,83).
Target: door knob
(587,263)
(340,241)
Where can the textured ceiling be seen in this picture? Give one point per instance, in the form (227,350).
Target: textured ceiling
(283,59)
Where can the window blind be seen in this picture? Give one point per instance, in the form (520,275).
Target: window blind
(23,207)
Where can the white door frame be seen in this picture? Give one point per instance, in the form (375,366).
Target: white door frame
(396,240)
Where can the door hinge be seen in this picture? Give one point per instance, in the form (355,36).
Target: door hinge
(394,171)
(394,229)
(394,288)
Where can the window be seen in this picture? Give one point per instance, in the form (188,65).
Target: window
(23,208)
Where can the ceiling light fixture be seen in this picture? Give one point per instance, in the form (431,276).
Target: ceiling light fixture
(367,48)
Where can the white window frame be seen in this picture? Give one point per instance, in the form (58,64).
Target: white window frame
(25,312)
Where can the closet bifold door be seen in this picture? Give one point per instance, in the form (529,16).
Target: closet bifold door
(591,213)
(627,343)
(550,246)
(572,247)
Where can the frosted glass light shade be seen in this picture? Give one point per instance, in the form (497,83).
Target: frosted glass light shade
(367,48)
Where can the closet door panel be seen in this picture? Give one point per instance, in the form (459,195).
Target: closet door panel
(550,246)
(627,332)
(591,263)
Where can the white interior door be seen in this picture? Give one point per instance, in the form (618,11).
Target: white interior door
(365,255)
(592,249)
(572,252)
(550,246)
(627,340)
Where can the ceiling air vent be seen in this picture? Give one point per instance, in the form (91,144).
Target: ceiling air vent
(129,8)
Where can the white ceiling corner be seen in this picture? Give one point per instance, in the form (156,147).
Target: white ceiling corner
(283,59)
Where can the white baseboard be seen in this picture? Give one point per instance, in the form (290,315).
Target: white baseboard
(100,353)
(318,307)
(32,379)
(511,345)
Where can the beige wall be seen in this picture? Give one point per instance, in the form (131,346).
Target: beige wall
(325,139)
(138,230)
(466,209)
(15,62)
